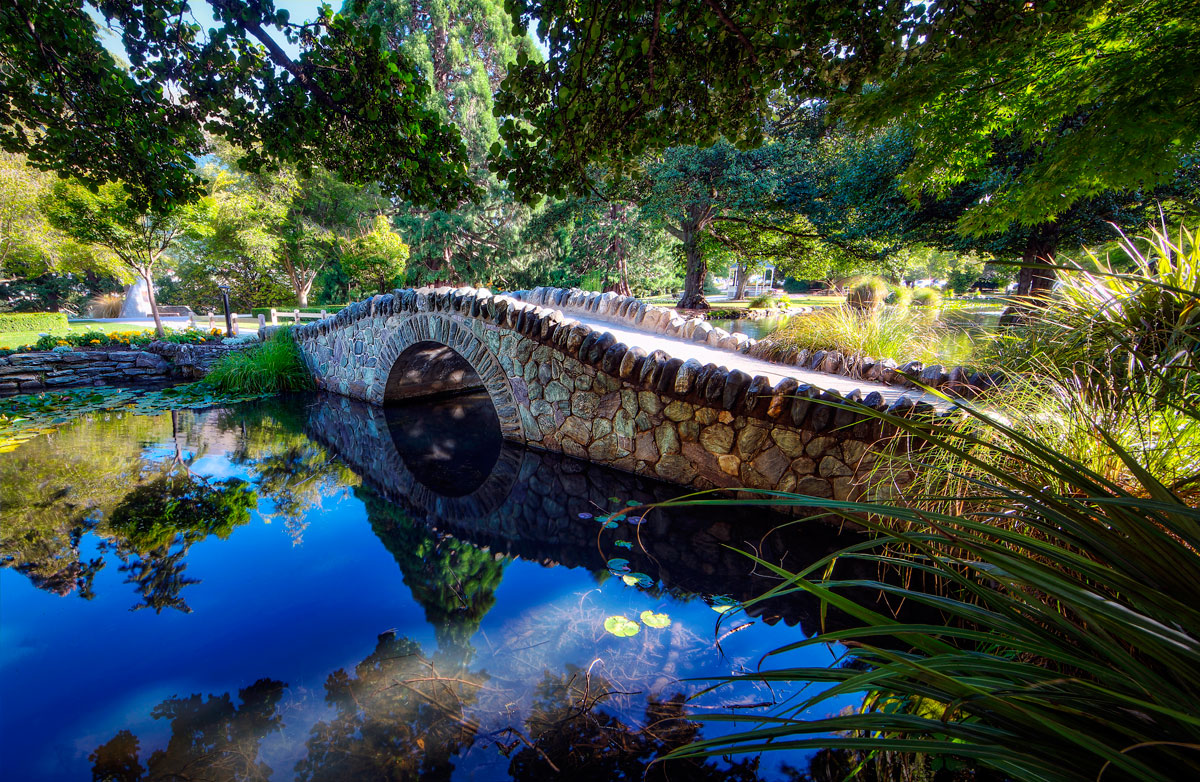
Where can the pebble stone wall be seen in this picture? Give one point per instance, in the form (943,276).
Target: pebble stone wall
(563,386)
(36,371)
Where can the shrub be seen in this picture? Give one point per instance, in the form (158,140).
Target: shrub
(1153,310)
(273,367)
(867,295)
(760,302)
(899,296)
(927,297)
(33,321)
(767,301)
(106,305)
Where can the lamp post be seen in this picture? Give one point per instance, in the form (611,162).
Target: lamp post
(228,320)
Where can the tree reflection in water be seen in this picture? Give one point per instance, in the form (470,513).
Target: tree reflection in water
(403,715)
(211,739)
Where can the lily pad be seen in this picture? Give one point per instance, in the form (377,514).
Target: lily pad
(637,579)
(619,564)
(658,621)
(722,603)
(621,627)
(622,544)
(610,525)
(585,516)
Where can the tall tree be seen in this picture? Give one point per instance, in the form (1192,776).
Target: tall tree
(106,217)
(695,193)
(852,187)
(463,48)
(344,102)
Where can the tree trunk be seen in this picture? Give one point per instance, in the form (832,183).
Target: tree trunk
(158,326)
(617,247)
(1039,251)
(743,277)
(697,266)
(303,287)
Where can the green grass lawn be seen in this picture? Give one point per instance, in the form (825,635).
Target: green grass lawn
(14,339)
(9,340)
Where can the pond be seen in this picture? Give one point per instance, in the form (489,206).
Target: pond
(310,588)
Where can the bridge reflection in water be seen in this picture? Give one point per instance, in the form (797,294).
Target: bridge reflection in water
(445,465)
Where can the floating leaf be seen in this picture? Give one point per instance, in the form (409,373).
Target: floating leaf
(637,579)
(722,603)
(621,627)
(619,518)
(585,516)
(651,619)
(610,525)
(633,503)
(622,544)
(619,564)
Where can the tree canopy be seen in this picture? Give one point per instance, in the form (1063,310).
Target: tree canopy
(344,102)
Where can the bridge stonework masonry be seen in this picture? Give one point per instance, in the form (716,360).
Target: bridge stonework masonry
(561,381)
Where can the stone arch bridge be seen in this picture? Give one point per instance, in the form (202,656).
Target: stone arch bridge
(618,382)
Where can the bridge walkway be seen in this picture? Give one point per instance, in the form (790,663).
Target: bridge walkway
(678,347)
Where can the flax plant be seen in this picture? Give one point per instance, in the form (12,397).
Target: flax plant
(1046,560)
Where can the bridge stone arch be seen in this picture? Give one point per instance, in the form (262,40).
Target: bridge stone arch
(433,329)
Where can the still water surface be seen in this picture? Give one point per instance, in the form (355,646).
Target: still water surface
(315,589)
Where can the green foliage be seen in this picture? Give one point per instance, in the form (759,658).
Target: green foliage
(30,321)
(345,102)
(1053,535)
(868,295)
(899,296)
(619,84)
(927,297)
(270,368)
(597,244)
(462,49)
(1151,309)
(1093,93)
(375,260)
(897,333)
(180,507)
(122,339)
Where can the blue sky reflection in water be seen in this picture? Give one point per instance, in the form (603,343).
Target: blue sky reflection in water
(400,594)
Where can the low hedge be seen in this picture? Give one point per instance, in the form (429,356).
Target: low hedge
(266,311)
(33,321)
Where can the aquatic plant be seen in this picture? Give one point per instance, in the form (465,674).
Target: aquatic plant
(271,368)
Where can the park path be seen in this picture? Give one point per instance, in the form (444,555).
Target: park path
(685,349)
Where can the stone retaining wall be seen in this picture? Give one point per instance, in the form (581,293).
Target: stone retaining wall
(23,373)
